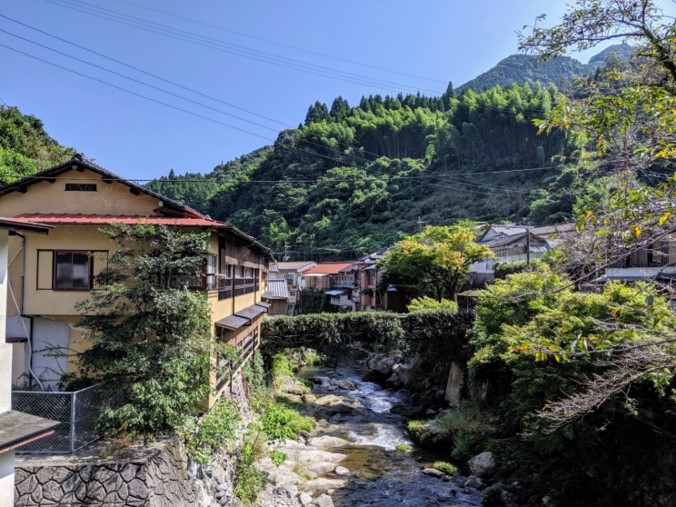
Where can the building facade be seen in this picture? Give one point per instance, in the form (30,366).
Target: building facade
(49,275)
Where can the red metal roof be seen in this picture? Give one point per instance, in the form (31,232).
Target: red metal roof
(328,268)
(93,219)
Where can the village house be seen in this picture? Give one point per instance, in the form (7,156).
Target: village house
(16,428)
(330,278)
(291,272)
(50,274)
(515,243)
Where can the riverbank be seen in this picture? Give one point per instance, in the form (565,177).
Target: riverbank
(359,452)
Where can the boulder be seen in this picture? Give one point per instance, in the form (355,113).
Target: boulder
(287,490)
(473,482)
(433,472)
(341,471)
(322,484)
(482,465)
(456,379)
(292,386)
(324,501)
(346,384)
(327,442)
(305,499)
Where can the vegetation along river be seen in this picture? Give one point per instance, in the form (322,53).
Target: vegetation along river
(383,475)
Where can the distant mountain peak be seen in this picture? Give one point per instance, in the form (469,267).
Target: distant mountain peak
(520,69)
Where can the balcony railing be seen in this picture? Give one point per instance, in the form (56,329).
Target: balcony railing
(232,287)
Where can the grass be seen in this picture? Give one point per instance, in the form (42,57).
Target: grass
(281,422)
(403,448)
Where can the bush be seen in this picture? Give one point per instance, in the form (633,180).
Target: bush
(446,468)
(280,422)
(425,303)
(215,430)
(277,457)
(249,482)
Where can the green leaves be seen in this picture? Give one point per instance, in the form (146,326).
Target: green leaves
(151,335)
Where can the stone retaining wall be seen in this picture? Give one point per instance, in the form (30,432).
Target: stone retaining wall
(154,476)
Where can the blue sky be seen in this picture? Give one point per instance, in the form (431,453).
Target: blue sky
(253,55)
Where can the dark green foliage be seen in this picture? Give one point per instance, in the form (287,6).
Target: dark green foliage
(151,336)
(315,301)
(25,147)
(430,332)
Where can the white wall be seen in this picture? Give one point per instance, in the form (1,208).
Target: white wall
(50,333)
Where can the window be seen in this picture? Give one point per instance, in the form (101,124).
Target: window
(211,272)
(72,270)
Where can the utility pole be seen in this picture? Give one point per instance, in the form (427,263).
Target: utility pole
(420,224)
(527,246)
(286,251)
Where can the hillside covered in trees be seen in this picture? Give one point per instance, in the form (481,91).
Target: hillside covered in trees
(25,147)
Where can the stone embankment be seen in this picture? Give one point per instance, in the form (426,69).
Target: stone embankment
(153,476)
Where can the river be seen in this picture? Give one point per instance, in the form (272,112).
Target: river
(385,477)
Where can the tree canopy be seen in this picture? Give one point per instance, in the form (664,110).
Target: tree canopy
(434,262)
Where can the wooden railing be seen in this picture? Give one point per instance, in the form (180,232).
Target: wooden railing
(246,348)
(232,287)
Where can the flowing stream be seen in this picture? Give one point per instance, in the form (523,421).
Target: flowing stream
(385,477)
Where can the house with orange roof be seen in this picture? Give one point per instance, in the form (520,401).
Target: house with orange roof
(49,274)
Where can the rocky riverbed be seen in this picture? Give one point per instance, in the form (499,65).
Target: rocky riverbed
(358,454)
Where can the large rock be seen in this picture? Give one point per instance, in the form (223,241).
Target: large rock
(327,442)
(482,465)
(456,379)
(324,501)
(322,484)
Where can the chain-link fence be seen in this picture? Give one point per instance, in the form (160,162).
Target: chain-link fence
(76,410)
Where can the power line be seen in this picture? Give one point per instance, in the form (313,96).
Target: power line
(137,81)
(282,44)
(230,48)
(138,69)
(133,92)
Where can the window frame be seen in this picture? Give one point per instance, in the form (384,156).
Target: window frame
(90,271)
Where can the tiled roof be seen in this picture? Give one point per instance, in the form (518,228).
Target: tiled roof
(328,268)
(94,219)
(277,289)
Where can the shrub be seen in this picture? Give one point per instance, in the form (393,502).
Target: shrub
(426,303)
(280,422)
(215,430)
(249,482)
(278,457)
(446,468)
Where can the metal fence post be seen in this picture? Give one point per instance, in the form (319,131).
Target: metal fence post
(73,400)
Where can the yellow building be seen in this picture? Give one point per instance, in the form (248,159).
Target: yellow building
(49,274)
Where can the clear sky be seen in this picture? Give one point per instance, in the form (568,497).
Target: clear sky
(264,61)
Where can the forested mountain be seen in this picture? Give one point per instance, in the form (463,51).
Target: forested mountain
(25,147)
(519,69)
(353,179)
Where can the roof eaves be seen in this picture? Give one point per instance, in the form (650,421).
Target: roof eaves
(79,160)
